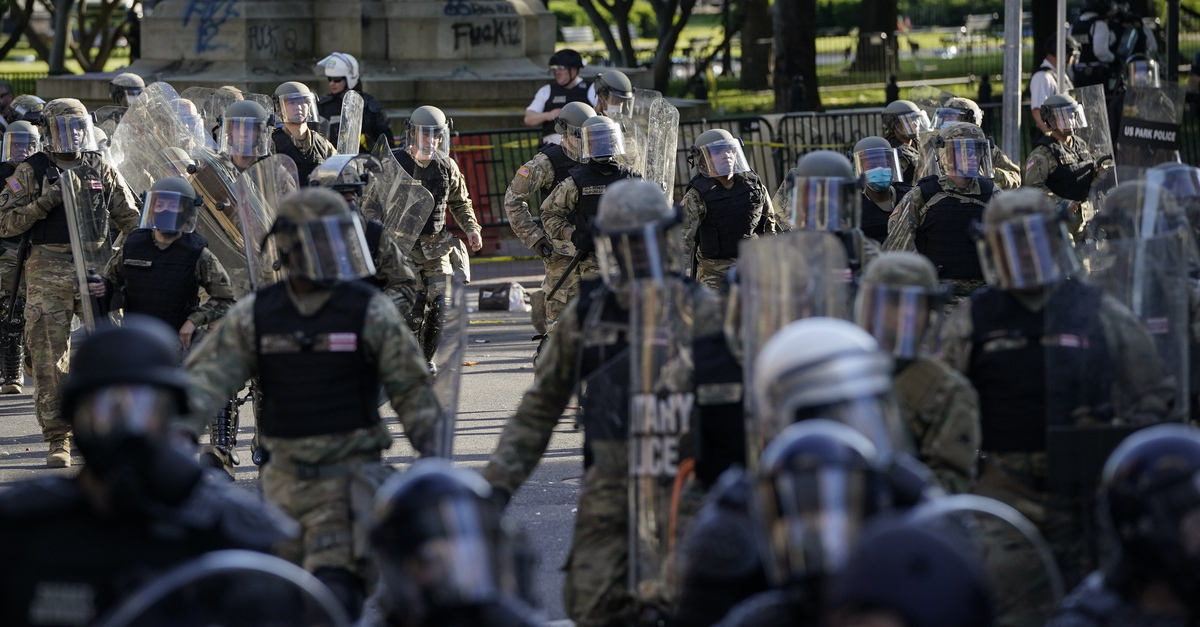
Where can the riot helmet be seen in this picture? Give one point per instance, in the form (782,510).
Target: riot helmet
(964,151)
(817,483)
(631,240)
(190,116)
(1183,181)
(958,110)
(826,368)
(1139,209)
(1063,114)
(876,163)
(25,107)
(320,239)
(718,154)
(21,140)
(601,140)
(68,127)
(295,103)
(905,119)
(1142,71)
(246,130)
(344,174)
(1024,243)
(174,161)
(439,540)
(900,303)
(428,131)
(613,89)
(823,193)
(567,61)
(124,88)
(568,124)
(1150,508)
(340,65)
(171,206)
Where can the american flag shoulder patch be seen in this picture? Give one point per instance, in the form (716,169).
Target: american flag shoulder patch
(14,185)
(343,342)
(95,184)
(523,171)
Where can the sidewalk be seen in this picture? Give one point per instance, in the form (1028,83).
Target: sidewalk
(496,270)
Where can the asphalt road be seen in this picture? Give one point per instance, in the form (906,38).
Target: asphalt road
(499,351)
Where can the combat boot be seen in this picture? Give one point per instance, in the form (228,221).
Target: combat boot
(12,347)
(59,455)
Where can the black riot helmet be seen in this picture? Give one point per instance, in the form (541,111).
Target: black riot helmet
(567,58)
(1150,509)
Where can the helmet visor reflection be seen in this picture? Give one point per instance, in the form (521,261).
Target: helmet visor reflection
(825,204)
(334,248)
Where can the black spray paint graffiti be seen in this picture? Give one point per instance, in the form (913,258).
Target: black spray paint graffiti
(266,38)
(499,32)
(460,8)
(210,15)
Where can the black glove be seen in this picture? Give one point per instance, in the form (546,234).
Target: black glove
(583,241)
(543,247)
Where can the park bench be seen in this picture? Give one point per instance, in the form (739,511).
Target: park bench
(578,35)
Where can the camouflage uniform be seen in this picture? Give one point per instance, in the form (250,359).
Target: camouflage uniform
(431,253)
(910,158)
(1038,168)
(942,411)
(1018,478)
(228,357)
(1005,173)
(596,590)
(210,275)
(395,275)
(557,212)
(711,272)
(538,174)
(52,293)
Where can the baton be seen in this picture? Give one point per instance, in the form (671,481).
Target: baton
(579,255)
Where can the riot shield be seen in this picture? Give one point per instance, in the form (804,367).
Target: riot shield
(87,220)
(1147,132)
(108,118)
(213,102)
(218,222)
(259,190)
(448,358)
(350,130)
(1023,576)
(150,138)
(405,203)
(231,588)
(929,99)
(651,129)
(661,414)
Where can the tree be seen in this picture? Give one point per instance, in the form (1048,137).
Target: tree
(621,52)
(96,27)
(796,87)
(672,17)
(756,57)
(875,53)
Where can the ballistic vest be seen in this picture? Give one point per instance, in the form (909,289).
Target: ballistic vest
(944,234)
(162,282)
(434,177)
(734,213)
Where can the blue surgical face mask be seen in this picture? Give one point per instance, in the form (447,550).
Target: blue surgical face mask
(879,179)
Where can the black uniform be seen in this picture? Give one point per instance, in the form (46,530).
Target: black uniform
(1088,69)
(374,121)
(559,97)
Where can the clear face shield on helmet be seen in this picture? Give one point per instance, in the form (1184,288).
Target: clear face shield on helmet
(967,158)
(297,108)
(904,319)
(722,158)
(946,115)
(125,410)
(1142,73)
(912,124)
(633,255)
(878,168)
(331,249)
(170,212)
(70,133)
(824,204)
(245,137)
(427,143)
(601,141)
(571,140)
(18,146)
(1028,252)
(1067,118)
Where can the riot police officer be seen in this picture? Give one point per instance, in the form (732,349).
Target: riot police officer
(21,140)
(32,202)
(1005,173)
(550,99)
(25,107)
(320,344)
(1042,349)
(140,505)
(935,218)
(245,133)
(824,195)
(877,164)
(426,157)
(724,203)
(125,87)
(613,91)
(903,123)
(296,107)
(342,72)
(1060,163)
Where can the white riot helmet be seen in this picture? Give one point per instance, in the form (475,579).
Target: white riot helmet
(341,65)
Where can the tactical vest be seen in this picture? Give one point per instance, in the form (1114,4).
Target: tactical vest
(373,229)
(434,177)
(1072,179)
(313,370)
(305,162)
(734,213)
(559,160)
(1013,350)
(592,179)
(603,366)
(944,233)
(53,228)
(162,283)
(722,439)
(874,219)
(1081,30)
(559,97)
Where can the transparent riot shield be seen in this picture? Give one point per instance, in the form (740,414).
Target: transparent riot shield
(108,118)
(1025,579)
(231,588)
(350,130)
(929,99)
(1096,135)
(218,222)
(151,139)
(405,204)
(448,358)
(661,413)
(651,128)
(259,190)
(1147,132)
(213,102)
(87,220)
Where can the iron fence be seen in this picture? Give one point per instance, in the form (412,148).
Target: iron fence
(23,82)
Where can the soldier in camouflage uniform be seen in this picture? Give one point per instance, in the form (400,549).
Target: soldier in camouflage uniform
(1105,368)
(824,195)
(31,202)
(426,157)
(319,343)
(935,218)
(613,90)
(587,351)
(568,212)
(1060,164)
(899,303)
(296,107)
(21,140)
(1006,174)
(903,123)
(724,203)
(544,172)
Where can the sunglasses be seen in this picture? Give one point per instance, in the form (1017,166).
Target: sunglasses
(337,79)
